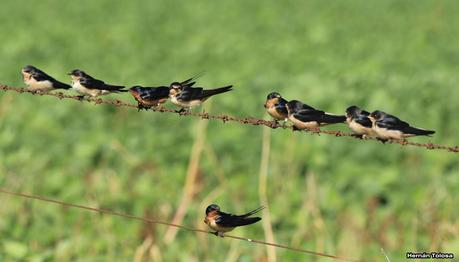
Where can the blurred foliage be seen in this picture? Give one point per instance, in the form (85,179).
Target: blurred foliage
(328,194)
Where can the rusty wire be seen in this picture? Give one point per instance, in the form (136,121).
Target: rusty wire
(151,221)
(226,118)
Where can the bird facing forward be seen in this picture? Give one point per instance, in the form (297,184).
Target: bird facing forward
(223,222)
(276,106)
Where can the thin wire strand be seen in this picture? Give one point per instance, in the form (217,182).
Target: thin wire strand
(151,221)
(226,118)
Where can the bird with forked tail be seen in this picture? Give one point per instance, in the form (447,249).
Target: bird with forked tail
(388,127)
(223,222)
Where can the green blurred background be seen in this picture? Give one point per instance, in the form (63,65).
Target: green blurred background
(333,195)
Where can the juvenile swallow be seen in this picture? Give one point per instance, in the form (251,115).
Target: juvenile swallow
(186,96)
(276,106)
(307,117)
(148,97)
(222,222)
(38,80)
(388,127)
(359,122)
(87,85)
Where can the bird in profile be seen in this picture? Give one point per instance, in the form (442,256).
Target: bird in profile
(306,117)
(223,222)
(387,127)
(148,97)
(37,80)
(87,85)
(187,97)
(359,122)
(276,106)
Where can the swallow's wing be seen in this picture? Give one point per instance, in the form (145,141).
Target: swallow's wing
(191,93)
(93,83)
(282,106)
(392,122)
(42,76)
(308,115)
(153,93)
(363,120)
(228,220)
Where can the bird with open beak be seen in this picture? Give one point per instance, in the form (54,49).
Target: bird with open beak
(276,106)
(306,117)
(359,122)
(37,80)
(87,85)
(223,222)
(187,97)
(387,127)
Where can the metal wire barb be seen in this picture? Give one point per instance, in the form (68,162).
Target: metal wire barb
(226,118)
(151,221)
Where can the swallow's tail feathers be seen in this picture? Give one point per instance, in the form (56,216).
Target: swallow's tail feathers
(60,85)
(248,221)
(253,211)
(115,88)
(333,119)
(418,131)
(211,92)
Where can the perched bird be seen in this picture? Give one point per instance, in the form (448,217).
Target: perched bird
(276,106)
(186,96)
(222,222)
(87,85)
(359,122)
(148,97)
(388,127)
(38,80)
(307,117)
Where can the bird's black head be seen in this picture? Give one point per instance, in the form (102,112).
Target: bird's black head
(353,111)
(273,95)
(78,73)
(377,115)
(29,69)
(294,105)
(211,208)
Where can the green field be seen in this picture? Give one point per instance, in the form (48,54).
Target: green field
(326,194)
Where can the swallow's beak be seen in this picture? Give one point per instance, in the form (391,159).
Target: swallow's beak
(265,105)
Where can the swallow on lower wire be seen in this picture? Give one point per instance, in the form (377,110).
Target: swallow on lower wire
(86,85)
(186,96)
(276,106)
(307,117)
(38,80)
(222,222)
(388,127)
(148,97)
(359,122)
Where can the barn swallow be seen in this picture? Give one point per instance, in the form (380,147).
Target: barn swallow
(148,97)
(38,80)
(276,106)
(307,117)
(222,222)
(388,127)
(359,122)
(186,96)
(87,85)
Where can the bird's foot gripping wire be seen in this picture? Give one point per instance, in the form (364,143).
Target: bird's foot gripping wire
(218,234)
(183,111)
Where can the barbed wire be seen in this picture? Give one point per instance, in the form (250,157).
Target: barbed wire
(226,118)
(151,221)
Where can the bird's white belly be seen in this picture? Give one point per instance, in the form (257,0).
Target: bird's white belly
(273,112)
(388,134)
(185,104)
(303,125)
(86,91)
(218,228)
(39,85)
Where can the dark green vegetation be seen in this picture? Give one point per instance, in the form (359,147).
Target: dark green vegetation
(325,193)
